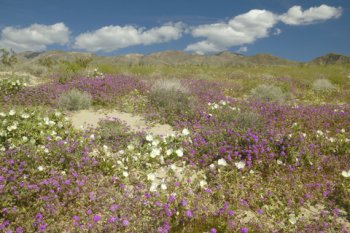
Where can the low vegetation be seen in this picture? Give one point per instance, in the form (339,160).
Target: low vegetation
(74,99)
(268,93)
(322,85)
(245,156)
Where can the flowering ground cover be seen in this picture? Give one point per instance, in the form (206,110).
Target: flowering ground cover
(234,165)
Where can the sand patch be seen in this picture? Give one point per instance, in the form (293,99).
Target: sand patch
(89,118)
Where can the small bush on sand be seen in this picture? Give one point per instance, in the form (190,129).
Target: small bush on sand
(170,98)
(75,100)
(268,93)
(322,85)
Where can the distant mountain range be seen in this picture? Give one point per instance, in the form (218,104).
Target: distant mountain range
(180,58)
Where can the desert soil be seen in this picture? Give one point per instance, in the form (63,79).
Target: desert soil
(90,118)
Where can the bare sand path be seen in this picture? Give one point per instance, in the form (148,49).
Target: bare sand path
(90,118)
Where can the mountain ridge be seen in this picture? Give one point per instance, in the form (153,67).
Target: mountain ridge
(177,57)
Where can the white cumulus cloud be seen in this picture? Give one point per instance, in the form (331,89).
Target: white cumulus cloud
(111,38)
(242,29)
(255,24)
(296,16)
(36,37)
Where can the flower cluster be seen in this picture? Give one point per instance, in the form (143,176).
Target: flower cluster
(8,86)
(23,126)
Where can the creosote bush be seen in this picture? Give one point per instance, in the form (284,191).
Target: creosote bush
(75,100)
(322,85)
(268,93)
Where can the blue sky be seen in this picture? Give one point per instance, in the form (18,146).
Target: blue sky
(297,30)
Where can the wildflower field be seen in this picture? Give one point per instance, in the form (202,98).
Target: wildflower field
(252,152)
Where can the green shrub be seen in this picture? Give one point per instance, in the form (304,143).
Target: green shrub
(322,85)
(171,98)
(75,100)
(268,93)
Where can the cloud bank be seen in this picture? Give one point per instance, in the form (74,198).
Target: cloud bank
(240,31)
(110,38)
(36,37)
(255,24)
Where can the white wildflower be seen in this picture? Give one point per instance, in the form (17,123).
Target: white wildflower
(240,164)
(155,142)
(153,187)
(155,152)
(179,152)
(163,186)
(46,120)
(131,147)
(92,136)
(342,130)
(25,115)
(149,138)
(173,167)
(161,159)
(185,132)
(331,139)
(212,166)
(125,174)
(279,162)
(169,151)
(222,162)
(203,183)
(223,102)
(40,168)
(346,174)
(319,133)
(151,176)
(12,112)
(121,152)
